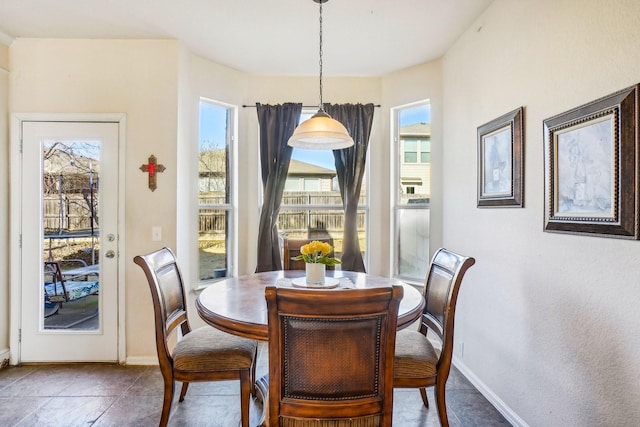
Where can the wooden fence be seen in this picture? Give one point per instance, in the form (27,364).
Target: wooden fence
(292,220)
(70,212)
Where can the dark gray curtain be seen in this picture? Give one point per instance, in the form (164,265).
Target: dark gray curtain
(350,165)
(277,123)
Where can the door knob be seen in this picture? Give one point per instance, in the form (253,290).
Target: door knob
(110,254)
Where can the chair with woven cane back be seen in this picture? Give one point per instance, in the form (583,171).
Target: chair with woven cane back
(331,356)
(291,248)
(203,354)
(417,363)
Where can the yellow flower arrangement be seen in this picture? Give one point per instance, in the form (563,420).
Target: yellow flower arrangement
(317,252)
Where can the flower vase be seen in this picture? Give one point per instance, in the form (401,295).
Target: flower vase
(315,273)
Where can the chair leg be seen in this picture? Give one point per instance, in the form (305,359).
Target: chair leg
(183,390)
(245,392)
(441,404)
(169,389)
(425,400)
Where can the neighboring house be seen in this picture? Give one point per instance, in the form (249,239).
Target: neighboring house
(302,176)
(307,177)
(415,160)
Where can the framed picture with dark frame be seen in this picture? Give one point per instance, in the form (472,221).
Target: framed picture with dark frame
(592,168)
(501,161)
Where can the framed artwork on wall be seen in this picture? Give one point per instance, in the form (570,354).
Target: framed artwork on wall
(501,161)
(592,168)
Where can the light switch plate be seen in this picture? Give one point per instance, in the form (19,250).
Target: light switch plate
(156,233)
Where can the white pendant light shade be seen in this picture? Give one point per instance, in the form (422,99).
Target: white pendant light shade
(320,132)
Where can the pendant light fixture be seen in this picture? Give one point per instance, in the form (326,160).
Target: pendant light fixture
(321,132)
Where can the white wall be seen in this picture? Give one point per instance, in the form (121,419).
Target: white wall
(4,202)
(419,83)
(139,78)
(549,321)
(204,79)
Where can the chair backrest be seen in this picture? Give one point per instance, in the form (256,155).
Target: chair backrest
(291,248)
(441,294)
(331,354)
(167,292)
(53,275)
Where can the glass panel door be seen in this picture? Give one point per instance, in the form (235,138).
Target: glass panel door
(71,241)
(69,223)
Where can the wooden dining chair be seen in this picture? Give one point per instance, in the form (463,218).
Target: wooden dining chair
(331,356)
(417,363)
(203,354)
(291,248)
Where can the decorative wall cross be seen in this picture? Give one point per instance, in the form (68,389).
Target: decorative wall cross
(152,168)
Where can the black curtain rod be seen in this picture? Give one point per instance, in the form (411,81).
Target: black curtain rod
(304,106)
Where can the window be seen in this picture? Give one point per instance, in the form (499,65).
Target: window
(311,204)
(215,210)
(412,192)
(312,184)
(410,151)
(425,150)
(414,147)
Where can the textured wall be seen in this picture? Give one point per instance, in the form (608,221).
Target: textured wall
(4,201)
(139,78)
(549,322)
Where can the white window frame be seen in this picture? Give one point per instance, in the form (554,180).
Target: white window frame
(397,159)
(231,206)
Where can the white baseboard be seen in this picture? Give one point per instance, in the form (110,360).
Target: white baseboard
(4,355)
(502,407)
(148,361)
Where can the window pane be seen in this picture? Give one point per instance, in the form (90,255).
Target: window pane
(312,181)
(311,184)
(410,157)
(212,243)
(413,243)
(425,151)
(410,145)
(414,170)
(214,190)
(412,191)
(292,184)
(70,220)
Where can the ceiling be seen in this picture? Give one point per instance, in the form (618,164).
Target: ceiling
(277,37)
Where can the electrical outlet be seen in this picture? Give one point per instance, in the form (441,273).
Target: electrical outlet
(156,233)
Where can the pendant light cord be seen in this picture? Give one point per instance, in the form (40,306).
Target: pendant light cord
(321,106)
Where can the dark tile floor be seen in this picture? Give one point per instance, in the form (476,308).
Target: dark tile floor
(111,395)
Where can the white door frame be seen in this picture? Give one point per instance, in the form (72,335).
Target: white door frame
(15,226)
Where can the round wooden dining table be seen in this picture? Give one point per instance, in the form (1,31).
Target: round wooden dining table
(237,304)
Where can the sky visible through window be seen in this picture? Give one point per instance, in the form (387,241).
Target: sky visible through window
(213,122)
(418,114)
